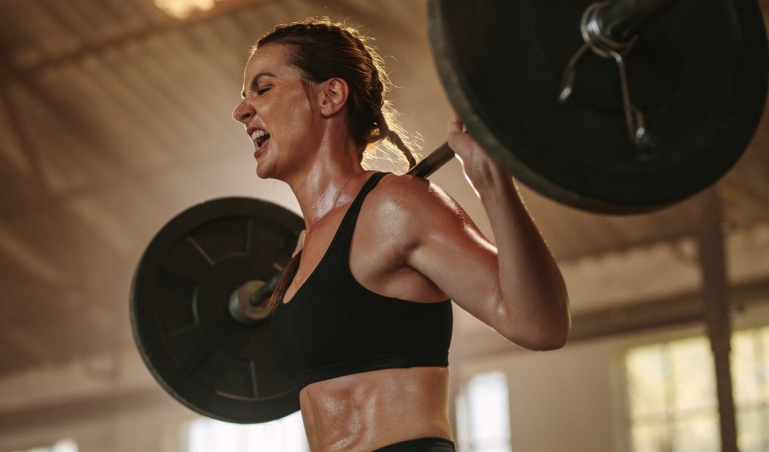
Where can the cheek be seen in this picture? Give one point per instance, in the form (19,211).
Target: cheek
(294,123)
(298,110)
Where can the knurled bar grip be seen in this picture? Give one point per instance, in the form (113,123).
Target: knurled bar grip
(432,162)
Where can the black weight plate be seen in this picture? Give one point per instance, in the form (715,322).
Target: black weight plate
(699,74)
(179,308)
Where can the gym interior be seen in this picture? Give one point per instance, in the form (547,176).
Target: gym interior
(115,116)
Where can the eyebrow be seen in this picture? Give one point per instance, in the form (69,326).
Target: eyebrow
(255,82)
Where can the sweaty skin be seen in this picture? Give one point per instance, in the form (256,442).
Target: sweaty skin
(366,411)
(363,412)
(411,241)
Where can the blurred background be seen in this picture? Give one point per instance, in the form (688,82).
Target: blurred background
(115,116)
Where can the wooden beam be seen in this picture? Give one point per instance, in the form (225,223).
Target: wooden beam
(86,407)
(644,315)
(740,197)
(140,32)
(715,297)
(22,137)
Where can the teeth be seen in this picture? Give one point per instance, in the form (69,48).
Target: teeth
(258,134)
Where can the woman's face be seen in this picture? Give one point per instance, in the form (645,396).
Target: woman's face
(276,111)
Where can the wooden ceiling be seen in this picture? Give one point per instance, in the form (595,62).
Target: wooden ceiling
(115,117)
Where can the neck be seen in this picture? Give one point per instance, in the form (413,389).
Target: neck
(317,186)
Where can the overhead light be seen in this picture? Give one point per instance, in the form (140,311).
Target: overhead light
(182,8)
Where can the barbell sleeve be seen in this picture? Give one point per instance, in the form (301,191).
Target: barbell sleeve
(620,20)
(263,293)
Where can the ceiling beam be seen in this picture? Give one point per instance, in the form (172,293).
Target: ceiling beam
(14,116)
(740,197)
(89,407)
(136,33)
(646,315)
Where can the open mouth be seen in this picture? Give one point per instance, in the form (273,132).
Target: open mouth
(260,137)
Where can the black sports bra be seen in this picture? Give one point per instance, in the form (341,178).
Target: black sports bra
(333,326)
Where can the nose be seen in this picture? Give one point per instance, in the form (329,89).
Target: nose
(243,112)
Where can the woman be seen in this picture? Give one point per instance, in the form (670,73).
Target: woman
(362,319)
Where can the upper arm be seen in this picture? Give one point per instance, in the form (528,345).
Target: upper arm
(439,240)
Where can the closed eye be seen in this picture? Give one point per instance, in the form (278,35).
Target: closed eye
(263,90)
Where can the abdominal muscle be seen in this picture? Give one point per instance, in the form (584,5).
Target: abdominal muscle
(366,411)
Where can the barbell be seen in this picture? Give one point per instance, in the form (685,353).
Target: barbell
(614,107)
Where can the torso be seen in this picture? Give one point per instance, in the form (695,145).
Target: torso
(363,412)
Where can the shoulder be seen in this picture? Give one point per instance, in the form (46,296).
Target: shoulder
(411,195)
(410,206)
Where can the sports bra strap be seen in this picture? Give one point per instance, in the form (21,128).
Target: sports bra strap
(347,227)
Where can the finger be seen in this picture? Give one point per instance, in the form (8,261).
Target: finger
(456,125)
(460,142)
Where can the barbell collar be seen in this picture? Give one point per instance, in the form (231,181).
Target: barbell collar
(263,293)
(621,20)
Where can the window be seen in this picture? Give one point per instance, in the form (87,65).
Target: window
(65,445)
(750,379)
(673,405)
(483,414)
(283,435)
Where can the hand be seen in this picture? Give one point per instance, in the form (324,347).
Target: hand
(480,169)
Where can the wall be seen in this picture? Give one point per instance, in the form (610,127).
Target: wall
(565,400)
(573,399)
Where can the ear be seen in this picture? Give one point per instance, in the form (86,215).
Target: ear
(332,96)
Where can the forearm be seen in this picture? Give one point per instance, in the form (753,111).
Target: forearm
(531,287)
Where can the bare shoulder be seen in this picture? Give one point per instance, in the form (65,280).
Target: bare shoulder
(411,206)
(413,196)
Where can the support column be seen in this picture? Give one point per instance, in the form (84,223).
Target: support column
(715,298)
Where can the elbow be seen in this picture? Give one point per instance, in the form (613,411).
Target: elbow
(552,342)
(542,337)
(540,341)
(541,330)
(553,332)
(558,334)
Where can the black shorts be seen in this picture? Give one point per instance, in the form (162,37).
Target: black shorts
(421,445)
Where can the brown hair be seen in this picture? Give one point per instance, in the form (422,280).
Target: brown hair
(322,49)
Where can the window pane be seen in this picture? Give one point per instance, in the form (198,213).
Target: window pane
(651,437)
(688,396)
(646,374)
(483,415)
(283,435)
(697,434)
(751,428)
(746,363)
(764,372)
(693,374)
(66,445)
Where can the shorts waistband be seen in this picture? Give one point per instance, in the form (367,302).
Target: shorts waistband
(421,445)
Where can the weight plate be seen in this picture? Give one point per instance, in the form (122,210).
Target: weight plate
(180,312)
(698,74)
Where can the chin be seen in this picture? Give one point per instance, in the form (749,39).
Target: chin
(266,170)
(262,172)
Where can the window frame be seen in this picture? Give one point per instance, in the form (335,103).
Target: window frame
(755,316)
